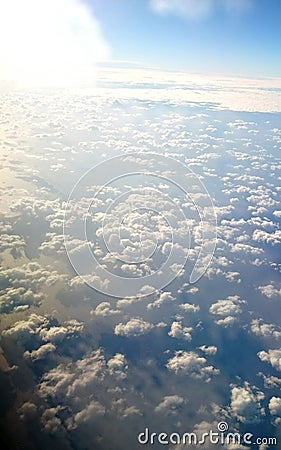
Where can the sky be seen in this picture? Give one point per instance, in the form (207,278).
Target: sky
(230,37)
(61,42)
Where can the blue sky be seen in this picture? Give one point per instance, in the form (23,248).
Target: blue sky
(226,36)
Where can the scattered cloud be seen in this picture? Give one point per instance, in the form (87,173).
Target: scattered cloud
(246,403)
(273,357)
(134,327)
(190,363)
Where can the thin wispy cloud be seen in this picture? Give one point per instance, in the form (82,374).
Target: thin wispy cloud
(197,9)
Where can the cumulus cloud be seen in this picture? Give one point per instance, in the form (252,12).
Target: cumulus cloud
(104,309)
(82,391)
(31,275)
(229,306)
(27,411)
(273,357)
(18,298)
(22,285)
(274,406)
(246,403)
(190,363)
(189,307)
(209,349)
(170,405)
(118,366)
(93,410)
(40,336)
(265,329)
(178,331)
(228,309)
(270,290)
(50,420)
(15,244)
(134,327)
(164,298)
(41,352)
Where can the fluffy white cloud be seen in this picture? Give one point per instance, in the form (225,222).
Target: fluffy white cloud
(189,308)
(93,410)
(245,403)
(190,363)
(274,406)
(25,330)
(40,335)
(164,298)
(31,275)
(134,327)
(18,298)
(41,353)
(50,420)
(178,331)
(273,357)
(118,366)
(104,309)
(228,309)
(170,405)
(14,243)
(265,329)
(209,349)
(270,290)
(23,285)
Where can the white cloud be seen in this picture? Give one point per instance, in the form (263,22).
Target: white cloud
(189,307)
(14,243)
(134,327)
(228,308)
(24,330)
(50,420)
(188,9)
(197,9)
(245,403)
(270,290)
(189,363)
(118,365)
(41,352)
(48,42)
(265,329)
(15,299)
(89,413)
(275,406)
(179,332)
(164,298)
(273,357)
(104,309)
(170,405)
(209,349)
(270,381)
